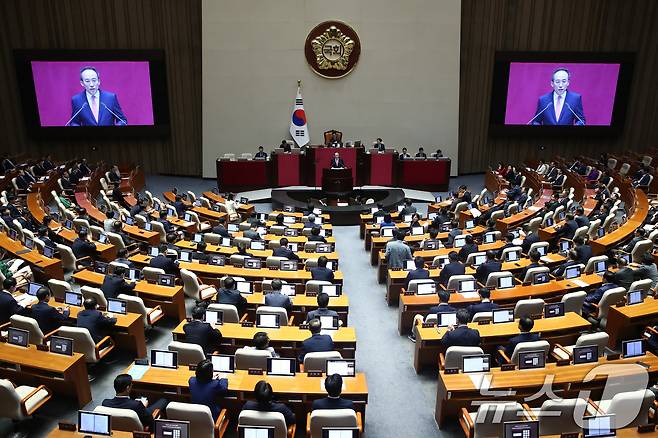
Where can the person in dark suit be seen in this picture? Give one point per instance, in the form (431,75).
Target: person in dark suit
(180,206)
(443,306)
(581,219)
(454,267)
(333,384)
(408,208)
(284,251)
(252,232)
(94,320)
(315,235)
(22,181)
(264,396)
(230,295)
(420,273)
(642,179)
(491,265)
(49,318)
(8,304)
(583,249)
(559,107)
(204,390)
(461,335)
(164,262)
(44,234)
(640,234)
(559,181)
(168,227)
(323,308)
(122,257)
(261,154)
(625,275)
(534,257)
(595,296)
(469,247)
(123,384)
(7,163)
(568,230)
(337,162)
(200,253)
(421,153)
(404,154)
(530,238)
(485,304)
(93,106)
(276,299)
(220,228)
(573,260)
(321,272)
(81,246)
(379,145)
(200,332)
(114,284)
(285,146)
(525,326)
(317,342)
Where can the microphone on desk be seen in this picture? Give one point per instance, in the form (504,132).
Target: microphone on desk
(76,113)
(539,113)
(572,112)
(123,122)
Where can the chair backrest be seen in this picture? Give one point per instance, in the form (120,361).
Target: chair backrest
(116,240)
(532,271)
(641,248)
(58,288)
(283,314)
(317,361)
(573,301)
(631,408)
(624,169)
(321,418)
(559,416)
(591,263)
(10,401)
(471,257)
(212,238)
(529,346)
(246,358)
(274,262)
(96,231)
(310,246)
(82,342)
(314,285)
(557,212)
(455,354)
(529,307)
(199,416)
(190,283)
(151,274)
(94,292)
(159,228)
(125,420)
(68,259)
(492,279)
(135,305)
(482,316)
(29,324)
(644,285)
(600,339)
(489,420)
(258,418)
(413,284)
(244,241)
(140,220)
(237,260)
(612,163)
(538,245)
(187,353)
(453,281)
(311,263)
(594,228)
(609,298)
(229,312)
(277,230)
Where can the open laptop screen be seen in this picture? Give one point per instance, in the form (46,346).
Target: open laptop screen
(479,363)
(344,367)
(93,422)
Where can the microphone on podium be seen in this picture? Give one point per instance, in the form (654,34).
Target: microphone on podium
(123,122)
(76,113)
(539,113)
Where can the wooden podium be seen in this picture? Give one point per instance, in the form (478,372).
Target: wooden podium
(337,181)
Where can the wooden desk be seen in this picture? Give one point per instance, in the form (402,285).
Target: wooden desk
(639,214)
(302,304)
(286,340)
(44,268)
(411,305)
(171,299)
(456,391)
(628,322)
(261,254)
(56,433)
(244,209)
(128,333)
(562,330)
(64,375)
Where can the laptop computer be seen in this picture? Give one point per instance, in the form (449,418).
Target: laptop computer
(280,366)
(94,423)
(343,367)
(477,363)
(164,359)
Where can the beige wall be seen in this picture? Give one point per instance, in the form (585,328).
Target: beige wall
(404,89)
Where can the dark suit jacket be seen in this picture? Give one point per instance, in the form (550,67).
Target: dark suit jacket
(320,311)
(285,252)
(559,271)
(324,274)
(114,285)
(584,253)
(454,268)
(208,393)
(316,343)
(180,208)
(416,274)
(466,250)
(133,405)
(9,307)
(486,268)
(219,229)
(486,306)
(271,407)
(441,308)
(317,238)
(277,299)
(97,324)
(568,229)
(572,104)
(339,164)
(521,337)
(582,221)
(163,262)
(530,238)
(107,104)
(48,317)
(231,296)
(203,334)
(461,336)
(624,277)
(332,403)
(82,248)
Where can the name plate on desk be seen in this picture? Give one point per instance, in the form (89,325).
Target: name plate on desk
(67,426)
(428,325)
(255,372)
(137,434)
(484,322)
(247,324)
(508,367)
(613,356)
(451,371)
(646,428)
(42,347)
(314,374)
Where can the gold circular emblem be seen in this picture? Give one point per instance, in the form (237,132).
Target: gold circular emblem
(332,49)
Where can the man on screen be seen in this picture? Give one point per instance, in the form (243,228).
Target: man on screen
(94,107)
(559,107)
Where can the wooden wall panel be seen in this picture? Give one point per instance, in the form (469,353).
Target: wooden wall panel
(172,25)
(553,25)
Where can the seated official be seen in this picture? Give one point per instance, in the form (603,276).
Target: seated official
(530,238)
(379,145)
(285,146)
(321,272)
(461,335)
(408,208)
(333,384)
(115,285)
(453,267)
(492,264)
(581,219)
(583,250)
(94,320)
(202,333)
(397,252)
(420,273)
(122,257)
(443,306)
(469,247)
(275,298)
(180,206)
(309,222)
(485,304)
(252,232)
(280,220)
(454,232)
(421,153)
(432,239)
(81,246)
(568,230)
(380,210)
(46,236)
(317,342)
(230,295)
(139,208)
(123,384)
(166,260)
(508,240)
(284,251)
(168,227)
(48,317)
(647,270)
(337,162)
(200,253)
(261,154)
(264,396)
(525,326)
(315,235)
(387,221)
(534,257)
(593,297)
(625,275)
(573,260)
(220,228)
(8,304)
(404,154)
(640,234)
(322,310)
(261,342)
(206,390)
